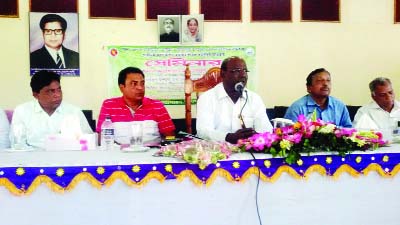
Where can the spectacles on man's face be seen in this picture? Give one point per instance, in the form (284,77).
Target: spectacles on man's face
(169,22)
(51,91)
(53,31)
(239,71)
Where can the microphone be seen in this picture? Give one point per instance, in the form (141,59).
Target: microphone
(239,87)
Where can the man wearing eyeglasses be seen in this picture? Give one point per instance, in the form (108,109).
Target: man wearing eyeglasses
(53,55)
(229,111)
(47,113)
(169,34)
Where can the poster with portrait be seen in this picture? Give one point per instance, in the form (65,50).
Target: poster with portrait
(169,27)
(54,43)
(192,29)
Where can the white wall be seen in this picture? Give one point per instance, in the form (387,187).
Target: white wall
(362,46)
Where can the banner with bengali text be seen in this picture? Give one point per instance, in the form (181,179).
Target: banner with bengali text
(164,66)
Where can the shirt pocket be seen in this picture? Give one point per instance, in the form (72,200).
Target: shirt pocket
(248,122)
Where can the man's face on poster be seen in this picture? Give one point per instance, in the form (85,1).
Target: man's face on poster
(168,25)
(53,35)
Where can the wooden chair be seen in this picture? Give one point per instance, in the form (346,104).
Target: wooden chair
(207,81)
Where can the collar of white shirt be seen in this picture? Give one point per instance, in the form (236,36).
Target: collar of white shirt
(38,108)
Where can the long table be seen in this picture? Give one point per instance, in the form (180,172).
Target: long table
(111,187)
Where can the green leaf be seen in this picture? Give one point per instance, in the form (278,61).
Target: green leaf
(272,150)
(314,115)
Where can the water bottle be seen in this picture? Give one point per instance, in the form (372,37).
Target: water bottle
(107,134)
(396,133)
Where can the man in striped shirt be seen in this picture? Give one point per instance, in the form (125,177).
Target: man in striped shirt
(133,105)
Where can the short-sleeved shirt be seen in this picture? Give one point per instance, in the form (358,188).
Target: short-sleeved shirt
(372,116)
(336,111)
(150,109)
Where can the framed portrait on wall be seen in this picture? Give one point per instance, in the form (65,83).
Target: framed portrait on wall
(54,43)
(397,11)
(316,10)
(9,8)
(169,27)
(192,29)
(55,6)
(121,9)
(166,7)
(221,10)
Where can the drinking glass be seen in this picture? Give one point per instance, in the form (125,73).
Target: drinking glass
(137,135)
(19,136)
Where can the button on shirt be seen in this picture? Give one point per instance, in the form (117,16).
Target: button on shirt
(372,116)
(38,124)
(217,115)
(335,112)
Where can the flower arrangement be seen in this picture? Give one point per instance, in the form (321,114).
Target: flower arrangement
(199,151)
(313,135)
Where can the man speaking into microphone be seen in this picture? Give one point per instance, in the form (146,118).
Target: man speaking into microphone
(229,111)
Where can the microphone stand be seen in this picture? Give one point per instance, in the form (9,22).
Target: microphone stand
(241,110)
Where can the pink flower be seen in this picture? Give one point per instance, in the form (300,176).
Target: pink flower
(270,139)
(347,132)
(319,123)
(287,130)
(248,145)
(205,157)
(225,149)
(258,141)
(309,131)
(294,138)
(380,136)
(301,118)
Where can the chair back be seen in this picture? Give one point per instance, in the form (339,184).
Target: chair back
(209,80)
(280,111)
(9,113)
(352,111)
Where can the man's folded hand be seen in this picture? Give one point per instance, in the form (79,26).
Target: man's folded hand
(239,134)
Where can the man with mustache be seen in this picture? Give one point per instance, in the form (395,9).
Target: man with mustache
(225,113)
(318,100)
(383,113)
(133,105)
(170,35)
(47,112)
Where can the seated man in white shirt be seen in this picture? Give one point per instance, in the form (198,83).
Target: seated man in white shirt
(229,112)
(383,113)
(47,113)
(4,129)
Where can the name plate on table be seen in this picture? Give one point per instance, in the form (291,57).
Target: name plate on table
(57,142)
